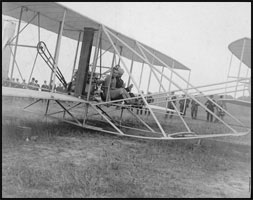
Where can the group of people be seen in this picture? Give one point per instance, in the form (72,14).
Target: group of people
(14,83)
(218,110)
(32,85)
(184,103)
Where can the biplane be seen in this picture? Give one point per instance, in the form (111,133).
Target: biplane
(83,106)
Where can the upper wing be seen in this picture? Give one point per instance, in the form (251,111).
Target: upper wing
(51,13)
(242,50)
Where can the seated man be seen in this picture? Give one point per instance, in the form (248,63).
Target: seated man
(120,83)
(114,92)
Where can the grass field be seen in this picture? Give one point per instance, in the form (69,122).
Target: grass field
(67,161)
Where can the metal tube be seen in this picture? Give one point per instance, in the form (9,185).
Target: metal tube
(15,50)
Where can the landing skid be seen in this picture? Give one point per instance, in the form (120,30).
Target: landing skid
(117,128)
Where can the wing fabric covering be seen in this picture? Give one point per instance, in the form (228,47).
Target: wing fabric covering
(242,49)
(51,14)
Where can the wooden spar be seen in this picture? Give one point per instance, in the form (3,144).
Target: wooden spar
(229,68)
(33,67)
(16,65)
(131,68)
(187,89)
(238,75)
(20,31)
(109,85)
(95,58)
(171,73)
(112,124)
(77,48)
(245,84)
(151,68)
(38,27)
(121,48)
(135,84)
(179,86)
(149,78)
(141,74)
(100,56)
(194,97)
(161,79)
(58,49)
(16,42)
(23,45)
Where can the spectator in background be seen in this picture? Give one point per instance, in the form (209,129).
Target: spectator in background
(194,109)
(210,105)
(171,99)
(37,85)
(24,84)
(6,83)
(18,84)
(59,88)
(140,104)
(45,87)
(220,112)
(183,104)
(31,85)
(149,99)
(13,82)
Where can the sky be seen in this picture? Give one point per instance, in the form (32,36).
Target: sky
(196,34)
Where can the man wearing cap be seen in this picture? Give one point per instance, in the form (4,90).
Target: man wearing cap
(114,92)
(171,100)
(210,105)
(120,83)
(183,104)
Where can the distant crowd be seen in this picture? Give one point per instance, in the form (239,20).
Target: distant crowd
(32,85)
(215,107)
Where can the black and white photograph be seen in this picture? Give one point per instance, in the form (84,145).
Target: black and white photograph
(126,99)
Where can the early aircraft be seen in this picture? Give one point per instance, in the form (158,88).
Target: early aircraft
(97,40)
